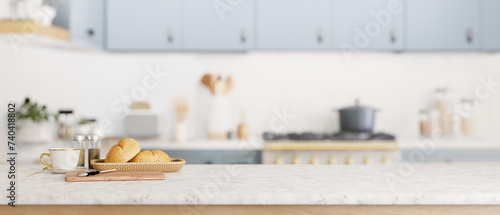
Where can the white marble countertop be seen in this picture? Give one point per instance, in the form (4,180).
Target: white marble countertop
(443,184)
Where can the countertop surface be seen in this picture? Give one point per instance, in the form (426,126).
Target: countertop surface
(403,184)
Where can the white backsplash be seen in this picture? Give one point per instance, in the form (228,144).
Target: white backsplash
(309,85)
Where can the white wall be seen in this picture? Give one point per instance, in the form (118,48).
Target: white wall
(308,84)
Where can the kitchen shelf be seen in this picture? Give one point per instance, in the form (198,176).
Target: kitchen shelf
(30,27)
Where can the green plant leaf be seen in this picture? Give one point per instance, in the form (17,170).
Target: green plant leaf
(33,112)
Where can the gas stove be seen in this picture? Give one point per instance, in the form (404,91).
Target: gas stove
(338,148)
(339,136)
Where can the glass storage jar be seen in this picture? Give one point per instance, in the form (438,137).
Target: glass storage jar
(94,148)
(78,143)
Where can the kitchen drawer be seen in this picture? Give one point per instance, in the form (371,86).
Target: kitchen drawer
(216,156)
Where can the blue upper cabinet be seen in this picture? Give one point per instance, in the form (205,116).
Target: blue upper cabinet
(146,25)
(87,23)
(443,25)
(218,25)
(288,25)
(490,20)
(367,25)
(293,24)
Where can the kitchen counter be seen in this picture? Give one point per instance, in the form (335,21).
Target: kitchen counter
(443,184)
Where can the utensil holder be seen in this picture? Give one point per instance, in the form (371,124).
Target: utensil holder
(219,117)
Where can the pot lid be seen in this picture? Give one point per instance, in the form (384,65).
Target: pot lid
(356,106)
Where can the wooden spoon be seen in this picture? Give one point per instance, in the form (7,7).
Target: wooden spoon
(209,81)
(229,84)
(205,80)
(212,82)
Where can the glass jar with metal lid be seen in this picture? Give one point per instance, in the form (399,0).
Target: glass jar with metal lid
(79,143)
(94,147)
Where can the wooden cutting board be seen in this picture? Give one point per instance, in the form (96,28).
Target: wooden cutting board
(116,176)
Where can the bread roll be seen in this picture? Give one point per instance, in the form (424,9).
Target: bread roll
(151,157)
(122,152)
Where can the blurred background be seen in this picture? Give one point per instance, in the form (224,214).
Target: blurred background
(257,81)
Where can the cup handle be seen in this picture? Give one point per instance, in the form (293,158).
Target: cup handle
(45,163)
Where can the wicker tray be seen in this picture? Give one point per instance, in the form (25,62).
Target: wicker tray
(173,166)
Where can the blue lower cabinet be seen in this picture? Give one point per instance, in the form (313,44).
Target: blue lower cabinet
(217,157)
(451,156)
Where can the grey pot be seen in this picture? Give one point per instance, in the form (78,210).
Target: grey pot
(357,118)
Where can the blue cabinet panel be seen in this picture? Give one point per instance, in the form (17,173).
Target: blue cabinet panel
(86,23)
(293,24)
(367,24)
(490,24)
(146,25)
(443,25)
(218,25)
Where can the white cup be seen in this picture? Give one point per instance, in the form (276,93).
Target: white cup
(62,158)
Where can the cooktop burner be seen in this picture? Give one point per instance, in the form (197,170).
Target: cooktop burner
(339,136)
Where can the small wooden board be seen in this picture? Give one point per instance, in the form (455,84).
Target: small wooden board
(116,176)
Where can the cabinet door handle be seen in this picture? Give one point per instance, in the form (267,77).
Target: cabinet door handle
(393,35)
(90,32)
(320,35)
(243,35)
(470,35)
(170,35)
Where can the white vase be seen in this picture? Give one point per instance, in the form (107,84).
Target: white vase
(219,117)
(180,132)
(34,132)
